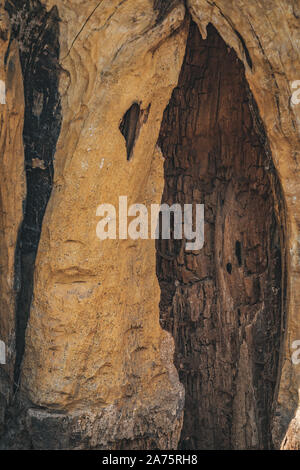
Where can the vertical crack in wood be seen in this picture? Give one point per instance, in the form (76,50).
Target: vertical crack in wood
(223,305)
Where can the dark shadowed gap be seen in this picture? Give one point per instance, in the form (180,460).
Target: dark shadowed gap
(38,34)
(238,252)
(162,8)
(223,304)
(129,127)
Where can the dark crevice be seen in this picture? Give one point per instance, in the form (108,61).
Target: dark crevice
(163,7)
(238,252)
(227,328)
(37,32)
(130,127)
(246,51)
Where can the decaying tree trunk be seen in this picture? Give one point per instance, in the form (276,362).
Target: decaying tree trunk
(223,303)
(132,344)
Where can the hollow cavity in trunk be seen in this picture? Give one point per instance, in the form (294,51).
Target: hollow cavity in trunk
(223,303)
